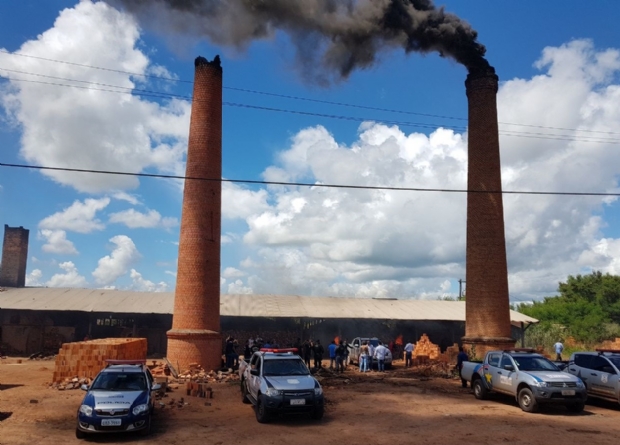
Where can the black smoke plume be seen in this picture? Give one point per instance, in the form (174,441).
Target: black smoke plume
(337,35)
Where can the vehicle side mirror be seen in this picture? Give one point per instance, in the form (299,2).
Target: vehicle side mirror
(84,387)
(254,372)
(509,367)
(156,387)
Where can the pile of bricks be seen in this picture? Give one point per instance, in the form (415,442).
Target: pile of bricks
(86,358)
(197,374)
(425,350)
(70,383)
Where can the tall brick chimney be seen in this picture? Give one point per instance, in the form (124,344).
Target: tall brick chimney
(487,324)
(195,336)
(14,257)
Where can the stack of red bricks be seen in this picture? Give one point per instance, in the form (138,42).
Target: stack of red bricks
(86,358)
(425,350)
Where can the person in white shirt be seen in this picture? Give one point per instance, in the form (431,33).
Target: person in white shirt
(408,354)
(380,354)
(371,355)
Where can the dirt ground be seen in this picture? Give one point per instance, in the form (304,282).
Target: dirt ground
(395,407)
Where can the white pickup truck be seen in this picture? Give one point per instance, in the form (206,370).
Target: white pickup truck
(529,377)
(278,381)
(356,344)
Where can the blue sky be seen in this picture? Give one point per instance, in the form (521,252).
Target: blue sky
(559,66)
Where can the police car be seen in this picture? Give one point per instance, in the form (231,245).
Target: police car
(119,399)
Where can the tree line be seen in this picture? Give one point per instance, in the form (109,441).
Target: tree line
(587,309)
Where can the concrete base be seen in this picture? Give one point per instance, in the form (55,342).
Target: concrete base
(482,345)
(200,346)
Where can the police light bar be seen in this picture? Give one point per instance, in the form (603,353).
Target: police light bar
(125,362)
(278,350)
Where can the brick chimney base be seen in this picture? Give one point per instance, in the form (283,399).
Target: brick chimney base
(187,346)
(482,345)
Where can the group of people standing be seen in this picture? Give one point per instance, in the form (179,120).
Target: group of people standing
(369,352)
(311,349)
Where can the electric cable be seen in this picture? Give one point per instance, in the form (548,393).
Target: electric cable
(305,184)
(285,96)
(157,94)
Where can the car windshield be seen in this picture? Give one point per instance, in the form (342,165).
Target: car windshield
(117,381)
(284,368)
(372,341)
(534,364)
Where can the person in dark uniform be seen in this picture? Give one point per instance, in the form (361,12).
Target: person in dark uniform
(318,354)
(460,358)
(307,352)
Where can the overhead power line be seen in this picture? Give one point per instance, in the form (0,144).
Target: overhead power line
(158,94)
(300,98)
(304,184)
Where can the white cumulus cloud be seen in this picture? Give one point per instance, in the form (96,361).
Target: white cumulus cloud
(134,219)
(91,128)
(143,285)
(57,242)
(34,278)
(330,241)
(78,217)
(71,277)
(113,266)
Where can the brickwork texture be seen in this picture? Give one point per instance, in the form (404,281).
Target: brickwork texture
(14,257)
(487,308)
(196,320)
(87,358)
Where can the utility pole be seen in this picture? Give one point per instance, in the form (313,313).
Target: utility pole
(461,281)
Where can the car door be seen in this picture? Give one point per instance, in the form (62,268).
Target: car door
(580,366)
(355,352)
(255,365)
(493,371)
(606,377)
(505,377)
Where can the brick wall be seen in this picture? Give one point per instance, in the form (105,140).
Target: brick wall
(196,321)
(87,358)
(14,257)
(487,309)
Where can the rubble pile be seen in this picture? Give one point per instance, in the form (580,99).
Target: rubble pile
(435,369)
(70,383)
(195,373)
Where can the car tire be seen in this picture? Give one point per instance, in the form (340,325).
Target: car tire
(527,401)
(147,429)
(79,434)
(244,392)
(576,407)
(480,392)
(317,413)
(262,414)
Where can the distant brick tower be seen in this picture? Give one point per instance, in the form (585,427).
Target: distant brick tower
(195,336)
(14,257)
(487,324)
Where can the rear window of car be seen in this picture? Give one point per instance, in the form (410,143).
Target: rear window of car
(583,360)
(494,359)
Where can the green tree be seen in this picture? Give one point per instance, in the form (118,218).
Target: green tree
(585,308)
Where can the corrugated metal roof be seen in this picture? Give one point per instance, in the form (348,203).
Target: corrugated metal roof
(117,301)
